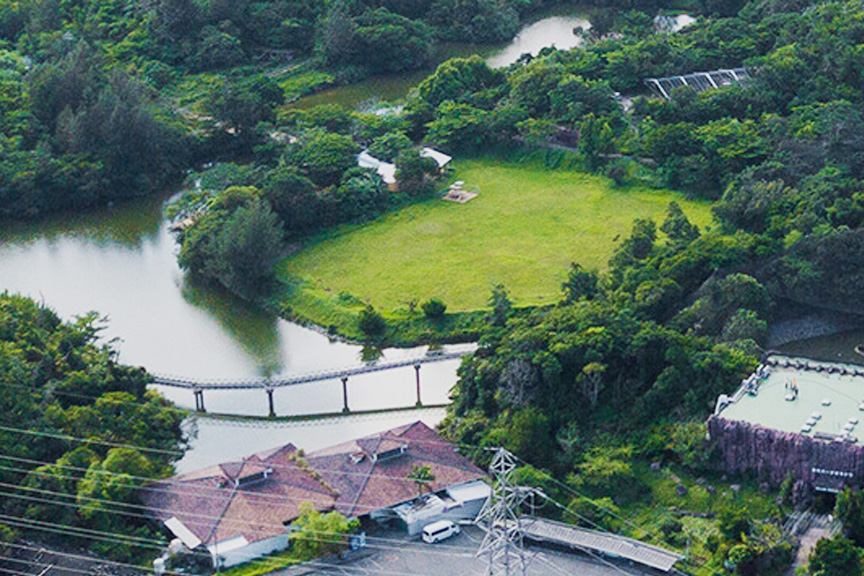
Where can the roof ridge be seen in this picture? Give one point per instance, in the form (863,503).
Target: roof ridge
(218,521)
(362,488)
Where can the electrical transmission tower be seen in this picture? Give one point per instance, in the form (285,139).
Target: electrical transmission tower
(500,519)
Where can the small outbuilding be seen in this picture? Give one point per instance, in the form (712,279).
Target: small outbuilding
(459,502)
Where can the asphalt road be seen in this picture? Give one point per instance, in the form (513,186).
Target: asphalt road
(456,556)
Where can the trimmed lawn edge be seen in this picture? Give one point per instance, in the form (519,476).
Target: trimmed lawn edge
(404,329)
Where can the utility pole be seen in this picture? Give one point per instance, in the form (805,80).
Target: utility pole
(500,519)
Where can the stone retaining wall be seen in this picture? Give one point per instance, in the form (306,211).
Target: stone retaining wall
(769,455)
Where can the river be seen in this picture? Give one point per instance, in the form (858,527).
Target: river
(121,262)
(554,28)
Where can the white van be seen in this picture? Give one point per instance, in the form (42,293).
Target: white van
(440,530)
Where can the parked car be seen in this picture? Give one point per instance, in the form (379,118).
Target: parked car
(440,530)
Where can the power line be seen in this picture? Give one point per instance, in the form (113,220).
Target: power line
(276,564)
(63,568)
(159,485)
(79,556)
(435,442)
(557,504)
(591,501)
(45,390)
(500,519)
(372,474)
(127,505)
(320,539)
(636,528)
(555,480)
(269,562)
(69,438)
(384,540)
(66,530)
(314,536)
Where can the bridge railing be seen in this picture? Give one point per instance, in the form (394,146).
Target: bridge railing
(309,377)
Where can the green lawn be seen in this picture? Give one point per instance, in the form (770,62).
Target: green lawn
(523,230)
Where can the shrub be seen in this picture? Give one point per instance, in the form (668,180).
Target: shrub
(371,322)
(434,308)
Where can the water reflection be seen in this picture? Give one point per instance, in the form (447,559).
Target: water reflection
(835,347)
(130,224)
(387,88)
(121,262)
(220,440)
(255,330)
(551,30)
(370,353)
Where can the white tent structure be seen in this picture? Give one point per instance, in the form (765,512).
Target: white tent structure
(439,157)
(386,170)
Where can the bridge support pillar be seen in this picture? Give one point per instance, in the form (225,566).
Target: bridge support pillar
(199,400)
(417,379)
(345,394)
(270,402)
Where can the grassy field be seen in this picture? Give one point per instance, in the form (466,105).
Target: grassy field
(523,230)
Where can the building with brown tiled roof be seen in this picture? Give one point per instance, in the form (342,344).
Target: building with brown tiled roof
(241,510)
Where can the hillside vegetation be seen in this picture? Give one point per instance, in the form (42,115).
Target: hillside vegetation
(80,434)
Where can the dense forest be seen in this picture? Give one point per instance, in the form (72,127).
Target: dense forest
(779,156)
(612,375)
(80,433)
(88,108)
(624,368)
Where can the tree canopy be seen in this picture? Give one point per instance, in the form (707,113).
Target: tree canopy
(80,428)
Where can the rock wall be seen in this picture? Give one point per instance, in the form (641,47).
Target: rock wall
(822,323)
(769,455)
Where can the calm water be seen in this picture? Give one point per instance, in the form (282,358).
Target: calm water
(122,263)
(387,88)
(836,347)
(557,31)
(220,440)
(551,30)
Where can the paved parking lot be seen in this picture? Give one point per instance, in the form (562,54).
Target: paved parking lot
(456,557)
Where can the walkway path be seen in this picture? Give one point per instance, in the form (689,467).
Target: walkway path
(811,528)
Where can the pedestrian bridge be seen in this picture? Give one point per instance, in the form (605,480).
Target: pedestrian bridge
(198,386)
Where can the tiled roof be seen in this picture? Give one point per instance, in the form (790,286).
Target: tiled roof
(214,509)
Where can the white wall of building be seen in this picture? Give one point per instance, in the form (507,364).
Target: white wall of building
(238,555)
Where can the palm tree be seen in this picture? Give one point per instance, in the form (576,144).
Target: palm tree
(422,476)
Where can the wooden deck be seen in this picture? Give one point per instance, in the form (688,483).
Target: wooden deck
(607,544)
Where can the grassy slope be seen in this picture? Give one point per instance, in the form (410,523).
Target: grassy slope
(664,502)
(523,230)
